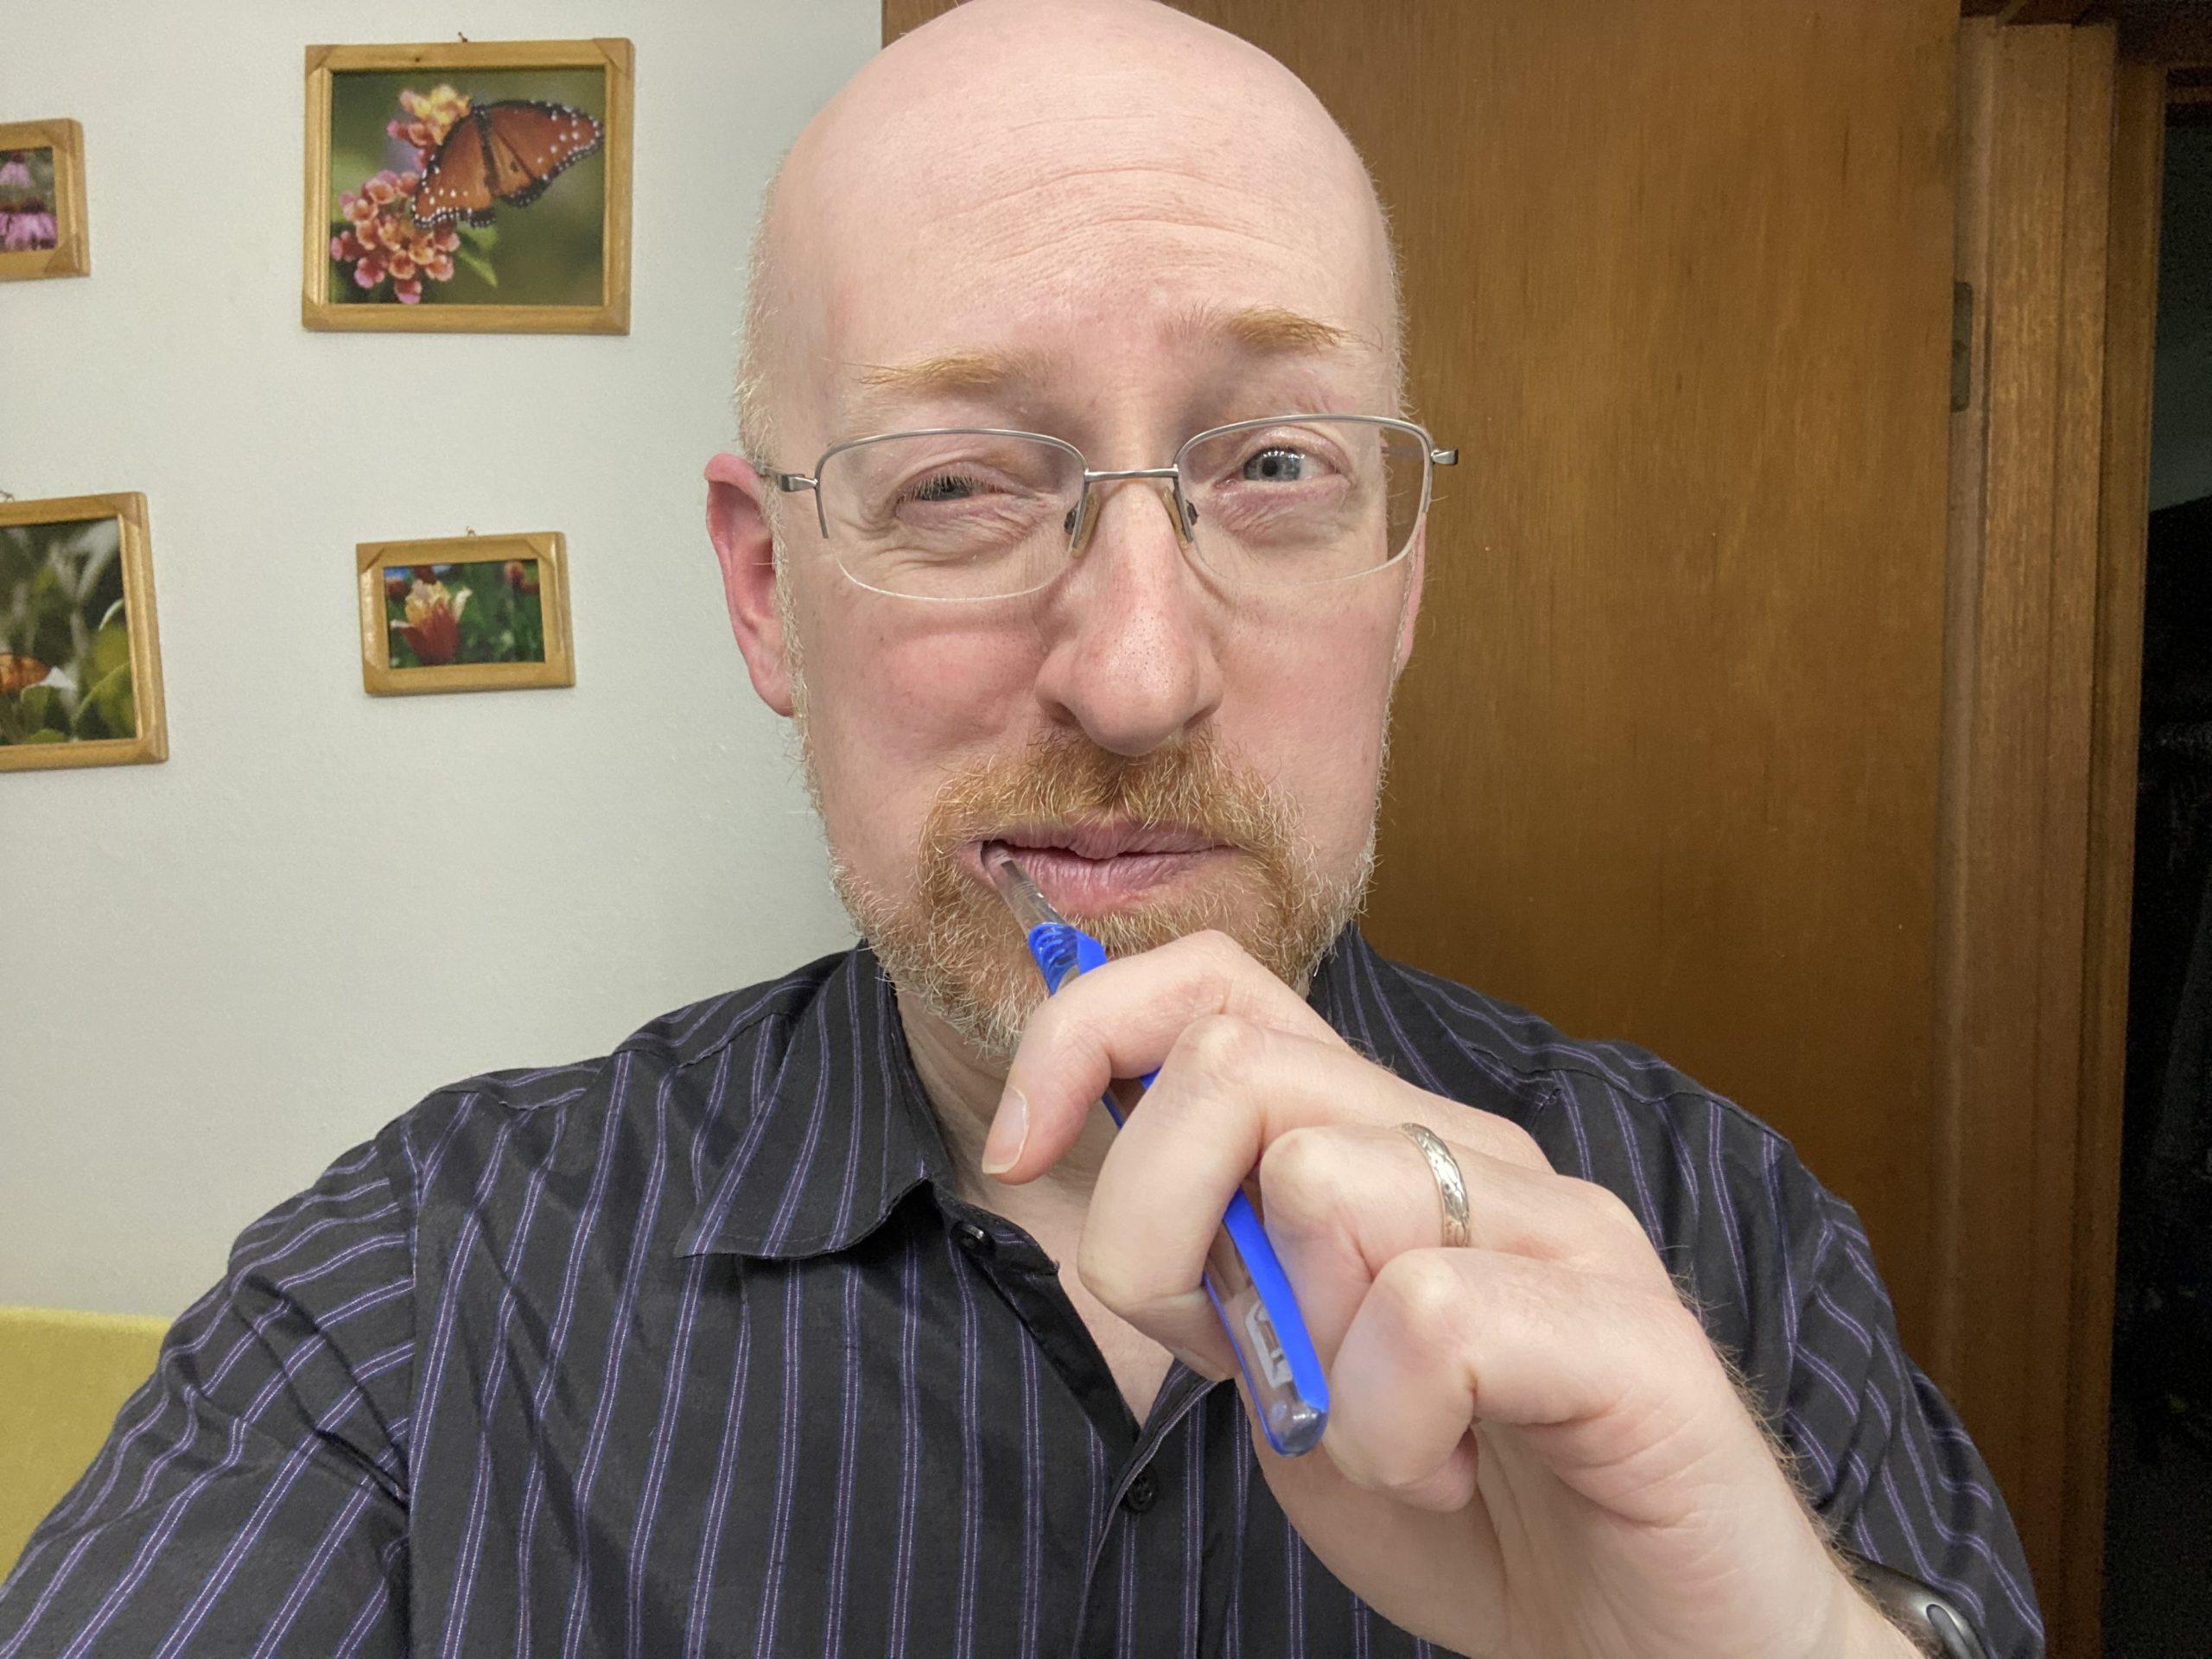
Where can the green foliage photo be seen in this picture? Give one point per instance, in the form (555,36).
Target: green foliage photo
(65,642)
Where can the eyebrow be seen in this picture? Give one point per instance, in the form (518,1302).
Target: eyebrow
(1266,331)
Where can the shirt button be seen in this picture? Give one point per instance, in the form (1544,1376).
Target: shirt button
(1143,1491)
(975,1239)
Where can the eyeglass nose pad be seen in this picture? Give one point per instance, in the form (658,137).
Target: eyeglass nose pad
(1081,519)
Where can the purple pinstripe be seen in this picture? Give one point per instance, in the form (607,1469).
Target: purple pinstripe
(440,1342)
(610,1376)
(565,1311)
(710,1536)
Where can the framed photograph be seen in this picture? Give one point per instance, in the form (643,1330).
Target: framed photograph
(475,187)
(42,230)
(80,661)
(465,613)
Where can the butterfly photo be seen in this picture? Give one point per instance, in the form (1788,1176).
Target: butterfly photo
(469,185)
(508,152)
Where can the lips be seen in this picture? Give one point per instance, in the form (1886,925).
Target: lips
(1088,868)
(1097,841)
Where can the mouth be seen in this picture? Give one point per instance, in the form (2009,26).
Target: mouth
(1087,868)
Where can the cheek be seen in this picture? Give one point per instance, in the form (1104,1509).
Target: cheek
(891,708)
(1313,693)
(921,695)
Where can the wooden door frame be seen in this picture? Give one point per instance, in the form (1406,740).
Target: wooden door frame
(2061,128)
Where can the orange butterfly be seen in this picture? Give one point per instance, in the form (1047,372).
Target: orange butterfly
(19,673)
(505,152)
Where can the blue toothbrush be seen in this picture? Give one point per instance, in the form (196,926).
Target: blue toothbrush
(1250,1292)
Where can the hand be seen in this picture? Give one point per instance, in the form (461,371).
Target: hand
(1532,1447)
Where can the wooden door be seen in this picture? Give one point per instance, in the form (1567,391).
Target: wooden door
(1667,758)
(1666,765)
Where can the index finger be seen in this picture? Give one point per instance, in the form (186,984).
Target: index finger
(1119,1021)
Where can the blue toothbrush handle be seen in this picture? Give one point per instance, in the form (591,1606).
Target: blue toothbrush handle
(1250,1292)
(1252,1297)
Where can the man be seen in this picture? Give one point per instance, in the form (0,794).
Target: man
(831,1316)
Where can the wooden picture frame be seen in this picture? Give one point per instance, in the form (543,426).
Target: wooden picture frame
(336,267)
(150,740)
(428,582)
(71,252)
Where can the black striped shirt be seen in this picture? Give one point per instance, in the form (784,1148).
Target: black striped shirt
(694,1348)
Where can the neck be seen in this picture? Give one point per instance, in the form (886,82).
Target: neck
(963,1086)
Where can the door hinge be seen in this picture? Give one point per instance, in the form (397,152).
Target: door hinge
(1961,345)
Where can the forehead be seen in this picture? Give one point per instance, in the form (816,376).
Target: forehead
(1097,248)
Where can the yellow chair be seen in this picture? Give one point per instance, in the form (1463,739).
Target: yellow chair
(63,1377)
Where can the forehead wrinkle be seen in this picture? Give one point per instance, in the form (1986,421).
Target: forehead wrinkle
(1256,331)
(1206,202)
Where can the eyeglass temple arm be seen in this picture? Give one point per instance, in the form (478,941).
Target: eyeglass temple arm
(789,483)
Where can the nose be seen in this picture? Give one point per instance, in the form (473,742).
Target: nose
(1132,648)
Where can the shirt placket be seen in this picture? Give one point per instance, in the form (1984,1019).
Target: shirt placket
(1145,1575)
(1141,1581)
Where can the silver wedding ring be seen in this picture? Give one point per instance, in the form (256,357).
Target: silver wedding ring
(1451,1185)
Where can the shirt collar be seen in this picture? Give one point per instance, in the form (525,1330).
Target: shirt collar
(841,1129)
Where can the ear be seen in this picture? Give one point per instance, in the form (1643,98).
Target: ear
(738,526)
(1419,561)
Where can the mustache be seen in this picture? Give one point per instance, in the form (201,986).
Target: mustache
(1061,786)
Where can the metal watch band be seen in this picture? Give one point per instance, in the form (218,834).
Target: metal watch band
(1926,1615)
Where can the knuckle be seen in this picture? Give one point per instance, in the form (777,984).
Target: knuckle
(1421,1292)
(1441,1489)
(1217,1045)
(1608,1212)
(1302,1178)
(1515,1145)
(1217,947)
(1051,1025)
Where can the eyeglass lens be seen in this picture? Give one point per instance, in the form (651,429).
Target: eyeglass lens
(980,515)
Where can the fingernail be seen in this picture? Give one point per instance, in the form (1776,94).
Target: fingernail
(1009,1131)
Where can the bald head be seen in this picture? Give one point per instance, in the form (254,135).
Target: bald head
(1081,183)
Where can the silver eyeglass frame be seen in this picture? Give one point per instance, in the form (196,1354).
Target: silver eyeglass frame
(1185,516)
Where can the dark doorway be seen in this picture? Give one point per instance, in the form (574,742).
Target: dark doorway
(2158,1598)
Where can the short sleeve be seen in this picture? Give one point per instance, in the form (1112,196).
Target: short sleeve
(251,1498)
(1887,1463)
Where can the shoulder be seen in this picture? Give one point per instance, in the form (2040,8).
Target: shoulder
(472,1136)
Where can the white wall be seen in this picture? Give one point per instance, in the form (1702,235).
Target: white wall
(218,972)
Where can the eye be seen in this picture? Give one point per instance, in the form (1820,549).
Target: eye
(1276,464)
(945,486)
